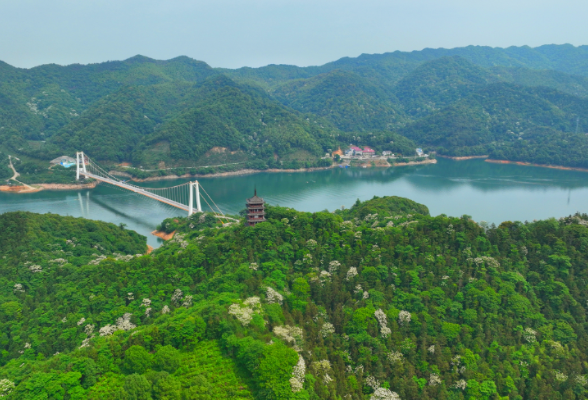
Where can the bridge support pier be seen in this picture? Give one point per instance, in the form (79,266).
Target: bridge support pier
(194,185)
(80,164)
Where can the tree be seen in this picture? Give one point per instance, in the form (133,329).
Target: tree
(137,359)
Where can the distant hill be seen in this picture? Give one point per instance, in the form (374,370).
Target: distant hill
(350,102)
(181,121)
(502,115)
(572,84)
(438,83)
(181,112)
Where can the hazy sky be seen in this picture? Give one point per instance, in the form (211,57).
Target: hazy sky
(235,33)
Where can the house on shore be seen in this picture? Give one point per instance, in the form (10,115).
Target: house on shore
(419,152)
(368,151)
(387,153)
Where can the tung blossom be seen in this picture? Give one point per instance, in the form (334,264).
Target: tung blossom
(351,273)
(383,321)
(18,288)
(334,266)
(434,380)
(530,335)
(384,394)
(327,329)
(461,384)
(165,310)
(244,313)
(372,382)
(297,380)
(146,303)
(187,301)
(291,334)
(177,296)
(6,387)
(272,296)
(404,318)
(88,329)
(122,324)
(395,356)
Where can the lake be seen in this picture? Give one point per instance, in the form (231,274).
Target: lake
(485,191)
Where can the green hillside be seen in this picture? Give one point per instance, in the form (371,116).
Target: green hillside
(502,115)
(178,123)
(381,301)
(183,113)
(350,102)
(438,83)
(571,84)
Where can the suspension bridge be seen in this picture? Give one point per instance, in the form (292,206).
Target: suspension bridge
(184,196)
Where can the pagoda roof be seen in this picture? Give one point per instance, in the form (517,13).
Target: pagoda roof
(255,199)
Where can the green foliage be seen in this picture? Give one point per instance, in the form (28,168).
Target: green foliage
(167,358)
(499,309)
(137,359)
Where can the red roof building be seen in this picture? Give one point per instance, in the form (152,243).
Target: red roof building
(368,150)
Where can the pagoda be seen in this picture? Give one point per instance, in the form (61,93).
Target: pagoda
(255,210)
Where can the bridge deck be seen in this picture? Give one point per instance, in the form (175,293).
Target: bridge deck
(136,190)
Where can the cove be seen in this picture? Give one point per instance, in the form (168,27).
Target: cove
(485,191)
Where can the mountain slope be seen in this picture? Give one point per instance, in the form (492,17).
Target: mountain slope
(499,115)
(177,123)
(379,301)
(438,83)
(571,84)
(350,102)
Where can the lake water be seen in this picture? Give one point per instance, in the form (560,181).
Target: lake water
(489,192)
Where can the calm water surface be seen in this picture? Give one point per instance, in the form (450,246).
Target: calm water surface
(490,192)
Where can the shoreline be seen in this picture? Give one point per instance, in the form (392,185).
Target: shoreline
(37,187)
(462,158)
(219,174)
(410,163)
(528,164)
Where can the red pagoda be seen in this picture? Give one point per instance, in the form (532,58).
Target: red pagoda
(255,210)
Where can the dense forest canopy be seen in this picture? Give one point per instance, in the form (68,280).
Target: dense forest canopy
(183,113)
(381,301)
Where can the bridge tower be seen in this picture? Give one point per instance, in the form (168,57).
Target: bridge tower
(80,164)
(194,186)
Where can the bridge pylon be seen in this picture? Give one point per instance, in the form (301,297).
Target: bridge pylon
(80,164)
(194,186)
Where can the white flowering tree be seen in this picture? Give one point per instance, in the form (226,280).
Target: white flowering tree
(404,318)
(245,312)
(383,321)
(327,329)
(297,380)
(6,387)
(384,394)
(272,296)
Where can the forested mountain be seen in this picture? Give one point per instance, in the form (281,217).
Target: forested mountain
(381,301)
(438,83)
(350,102)
(389,68)
(179,122)
(183,113)
(502,114)
(571,84)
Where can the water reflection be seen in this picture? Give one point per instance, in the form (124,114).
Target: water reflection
(491,192)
